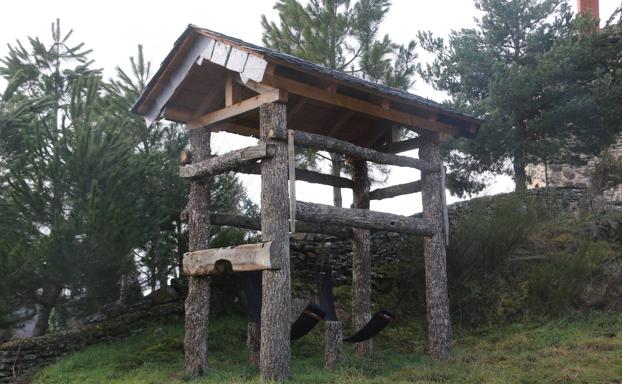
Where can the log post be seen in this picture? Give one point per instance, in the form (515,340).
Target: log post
(333,339)
(252,342)
(197,302)
(437,301)
(276,289)
(361,258)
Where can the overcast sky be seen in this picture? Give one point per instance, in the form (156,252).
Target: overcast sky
(113,28)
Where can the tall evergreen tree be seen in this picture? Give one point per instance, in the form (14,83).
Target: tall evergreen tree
(533,72)
(342,35)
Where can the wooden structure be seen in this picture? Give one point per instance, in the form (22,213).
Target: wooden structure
(213,83)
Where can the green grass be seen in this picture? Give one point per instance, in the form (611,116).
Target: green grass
(583,349)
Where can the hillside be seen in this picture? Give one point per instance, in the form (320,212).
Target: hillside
(584,348)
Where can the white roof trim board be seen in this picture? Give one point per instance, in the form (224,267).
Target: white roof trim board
(247,65)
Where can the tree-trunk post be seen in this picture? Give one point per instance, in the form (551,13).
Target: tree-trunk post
(276,289)
(333,343)
(336,171)
(197,302)
(252,342)
(361,258)
(437,301)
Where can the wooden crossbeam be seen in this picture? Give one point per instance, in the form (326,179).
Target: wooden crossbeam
(395,190)
(363,218)
(227,162)
(243,258)
(346,148)
(305,175)
(254,224)
(402,146)
(358,105)
(237,109)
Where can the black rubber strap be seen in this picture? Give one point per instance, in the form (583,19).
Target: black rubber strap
(378,322)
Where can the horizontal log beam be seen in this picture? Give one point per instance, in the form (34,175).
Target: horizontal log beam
(363,218)
(227,162)
(395,190)
(243,258)
(237,109)
(306,175)
(330,144)
(254,224)
(402,146)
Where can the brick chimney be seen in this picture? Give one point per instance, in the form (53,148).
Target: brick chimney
(590,6)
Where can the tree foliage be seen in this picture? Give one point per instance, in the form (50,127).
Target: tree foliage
(543,80)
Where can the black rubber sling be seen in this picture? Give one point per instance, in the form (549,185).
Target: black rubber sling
(378,322)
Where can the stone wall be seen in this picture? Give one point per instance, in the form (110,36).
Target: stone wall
(573,176)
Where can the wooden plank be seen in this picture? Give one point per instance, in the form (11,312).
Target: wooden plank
(395,190)
(226,162)
(232,90)
(207,52)
(221,53)
(346,148)
(237,109)
(358,105)
(444,202)
(253,85)
(243,258)
(291,160)
(363,218)
(237,60)
(255,68)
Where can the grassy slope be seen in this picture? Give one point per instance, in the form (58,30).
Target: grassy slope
(585,349)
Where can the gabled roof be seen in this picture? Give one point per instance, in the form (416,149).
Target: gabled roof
(192,75)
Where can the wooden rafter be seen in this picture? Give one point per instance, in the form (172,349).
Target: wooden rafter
(237,109)
(357,105)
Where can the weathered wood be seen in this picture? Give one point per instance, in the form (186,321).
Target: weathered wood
(185,157)
(361,258)
(275,354)
(333,343)
(252,342)
(237,109)
(437,301)
(227,162)
(401,146)
(255,224)
(291,161)
(395,190)
(363,218)
(359,105)
(243,258)
(197,301)
(346,148)
(444,202)
(305,175)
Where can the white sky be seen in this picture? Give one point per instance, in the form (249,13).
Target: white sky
(113,29)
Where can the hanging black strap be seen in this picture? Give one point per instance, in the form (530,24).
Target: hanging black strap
(308,319)
(378,322)
(325,290)
(251,284)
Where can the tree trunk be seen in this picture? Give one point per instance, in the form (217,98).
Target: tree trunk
(197,302)
(47,301)
(361,258)
(253,343)
(274,351)
(437,301)
(333,343)
(520,175)
(336,171)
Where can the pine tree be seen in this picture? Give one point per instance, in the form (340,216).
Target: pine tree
(341,35)
(535,74)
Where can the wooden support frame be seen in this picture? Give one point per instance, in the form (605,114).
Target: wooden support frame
(363,218)
(395,190)
(346,148)
(227,162)
(357,105)
(237,109)
(305,175)
(243,258)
